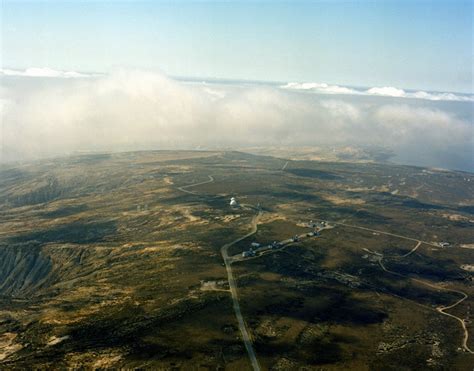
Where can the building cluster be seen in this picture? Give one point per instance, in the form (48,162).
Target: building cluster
(249,253)
(257,248)
(275,245)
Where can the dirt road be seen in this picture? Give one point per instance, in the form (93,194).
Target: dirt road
(185,188)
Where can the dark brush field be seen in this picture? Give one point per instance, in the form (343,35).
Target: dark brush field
(106,263)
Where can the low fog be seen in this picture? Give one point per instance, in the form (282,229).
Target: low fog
(136,110)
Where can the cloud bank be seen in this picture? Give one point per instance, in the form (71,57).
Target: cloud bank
(322,88)
(132,110)
(386,91)
(43,72)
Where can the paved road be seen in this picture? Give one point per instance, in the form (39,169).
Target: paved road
(233,290)
(284,166)
(184,188)
(264,250)
(232,285)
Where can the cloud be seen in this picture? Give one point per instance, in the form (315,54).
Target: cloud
(386,91)
(400,93)
(134,110)
(42,72)
(426,135)
(440,96)
(319,87)
(216,94)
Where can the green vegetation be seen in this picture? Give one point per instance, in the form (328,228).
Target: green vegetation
(104,260)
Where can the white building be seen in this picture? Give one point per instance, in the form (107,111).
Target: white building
(233,202)
(249,253)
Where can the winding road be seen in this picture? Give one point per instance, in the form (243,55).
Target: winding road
(386,233)
(412,250)
(233,290)
(232,284)
(463,323)
(246,338)
(441,309)
(184,188)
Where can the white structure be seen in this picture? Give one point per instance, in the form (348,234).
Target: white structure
(233,202)
(249,253)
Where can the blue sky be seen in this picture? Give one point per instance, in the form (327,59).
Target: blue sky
(408,44)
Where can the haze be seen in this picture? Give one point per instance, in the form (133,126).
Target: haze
(135,109)
(390,75)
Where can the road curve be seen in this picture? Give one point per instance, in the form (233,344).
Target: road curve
(412,250)
(441,309)
(233,290)
(232,285)
(463,324)
(184,188)
(386,233)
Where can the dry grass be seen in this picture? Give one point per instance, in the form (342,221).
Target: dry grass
(8,346)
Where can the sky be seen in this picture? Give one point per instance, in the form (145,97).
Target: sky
(424,45)
(395,76)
